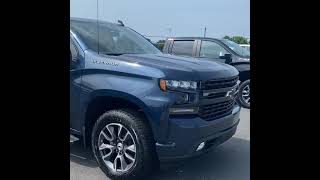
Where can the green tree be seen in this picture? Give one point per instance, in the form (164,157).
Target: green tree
(240,39)
(237,39)
(227,37)
(160,44)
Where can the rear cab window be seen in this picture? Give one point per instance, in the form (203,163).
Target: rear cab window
(182,47)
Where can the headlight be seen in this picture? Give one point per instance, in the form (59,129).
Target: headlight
(175,85)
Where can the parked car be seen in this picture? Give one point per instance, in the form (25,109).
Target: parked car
(221,50)
(246,46)
(136,107)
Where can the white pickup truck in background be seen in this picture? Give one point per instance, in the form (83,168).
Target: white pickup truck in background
(246,46)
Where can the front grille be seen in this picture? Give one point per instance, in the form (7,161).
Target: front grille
(214,95)
(220,83)
(216,99)
(216,110)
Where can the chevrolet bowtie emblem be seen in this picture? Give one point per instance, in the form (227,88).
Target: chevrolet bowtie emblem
(229,93)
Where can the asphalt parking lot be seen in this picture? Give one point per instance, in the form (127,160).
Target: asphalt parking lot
(229,161)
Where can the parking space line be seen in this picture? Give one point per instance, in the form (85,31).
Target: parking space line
(78,156)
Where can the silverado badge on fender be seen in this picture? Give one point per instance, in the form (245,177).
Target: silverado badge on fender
(105,62)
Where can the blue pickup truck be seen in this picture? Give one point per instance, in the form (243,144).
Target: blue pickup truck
(136,107)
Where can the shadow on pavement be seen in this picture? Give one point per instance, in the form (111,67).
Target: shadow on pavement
(82,156)
(229,161)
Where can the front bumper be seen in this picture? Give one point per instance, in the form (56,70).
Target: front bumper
(185,135)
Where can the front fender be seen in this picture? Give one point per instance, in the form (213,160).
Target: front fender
(117,94)
(244,71)
(143,92)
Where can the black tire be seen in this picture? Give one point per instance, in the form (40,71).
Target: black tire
(146,157)
(240,99)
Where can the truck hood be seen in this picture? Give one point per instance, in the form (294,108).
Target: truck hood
(173,67)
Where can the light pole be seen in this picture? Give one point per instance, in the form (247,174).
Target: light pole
(98,34)
(169,31)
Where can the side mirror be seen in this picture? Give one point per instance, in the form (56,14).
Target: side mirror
(227,57)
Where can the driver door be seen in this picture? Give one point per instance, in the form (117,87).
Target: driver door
(211,50)
(75,88)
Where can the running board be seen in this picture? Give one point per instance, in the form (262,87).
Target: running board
(73,138)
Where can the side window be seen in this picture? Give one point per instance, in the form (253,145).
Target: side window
(211,49)
(184,48)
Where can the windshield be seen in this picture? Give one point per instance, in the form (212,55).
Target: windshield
(236,48)
(113,39)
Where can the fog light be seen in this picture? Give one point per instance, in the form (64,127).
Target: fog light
(191,110)
(201,146)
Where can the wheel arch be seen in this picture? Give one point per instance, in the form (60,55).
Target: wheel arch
(104,100)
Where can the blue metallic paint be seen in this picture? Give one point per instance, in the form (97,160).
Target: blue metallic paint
(135,78)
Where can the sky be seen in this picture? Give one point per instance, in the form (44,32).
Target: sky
(171,17)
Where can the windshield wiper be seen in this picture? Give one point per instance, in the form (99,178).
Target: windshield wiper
(114,54)
(118,54)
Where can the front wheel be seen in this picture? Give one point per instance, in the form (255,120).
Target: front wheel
(244,94)
(123,145)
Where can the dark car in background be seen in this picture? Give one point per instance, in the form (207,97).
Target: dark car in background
(213,49)
(246,46)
